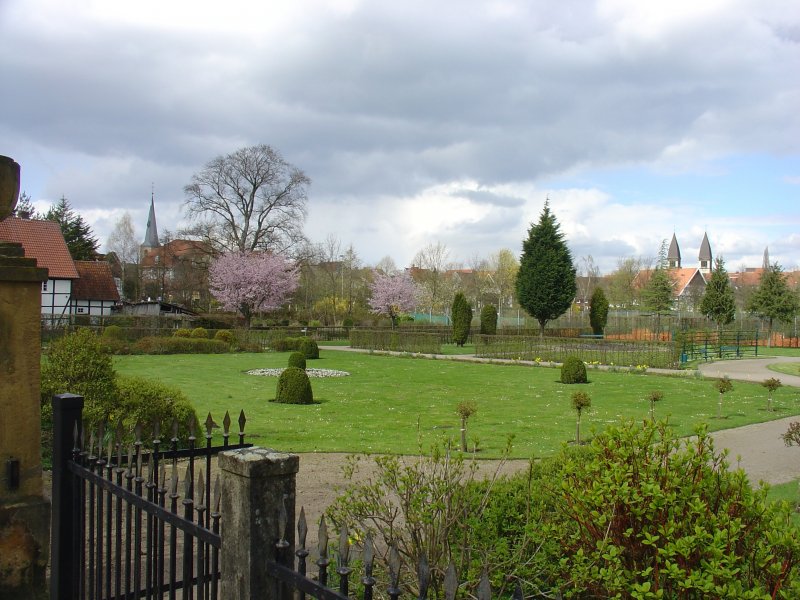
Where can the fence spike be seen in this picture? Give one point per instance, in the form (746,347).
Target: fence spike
(119,452)
(91,442)
(210,424)
(83,435)
(283,518)
(302,527)
(119,433)
(216,494)
(130,457)
(187,484)
(344,546)
(175,429)
(226,423)
(394,565)
(139,461)
(137,432)
(242,420)
(450,582)
(323,538)
(484,588)
(369,555)
(191,423)
(109,451)
(156,428)
(201,485)
(173,487)
(424,576)
(75,434)
(163,485)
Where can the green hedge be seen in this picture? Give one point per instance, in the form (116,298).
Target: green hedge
(395,340)
(607,352)
(179,345)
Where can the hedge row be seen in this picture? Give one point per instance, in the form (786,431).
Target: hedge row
(396,341)
(608,352)
(165,345)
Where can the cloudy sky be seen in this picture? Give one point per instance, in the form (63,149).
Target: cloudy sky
(421,122)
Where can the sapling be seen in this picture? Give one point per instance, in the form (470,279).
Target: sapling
(723,386)
(792,438)
(465,410)
(653,397)
(580,402)
(771,384)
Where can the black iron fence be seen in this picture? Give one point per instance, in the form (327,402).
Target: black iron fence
(707,345)
(121,528)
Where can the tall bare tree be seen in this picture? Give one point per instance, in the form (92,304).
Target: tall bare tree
(432,264)
(122,242)
(249,200)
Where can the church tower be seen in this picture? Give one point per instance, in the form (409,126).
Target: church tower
(705,255)
(765,265)
(674,254)
(151,235)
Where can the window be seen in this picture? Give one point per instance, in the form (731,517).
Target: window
(44,286)
(81,310)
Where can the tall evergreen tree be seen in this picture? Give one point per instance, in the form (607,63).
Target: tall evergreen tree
(773,299)
(718,302)
(658,294)
(77,233)
(598,311)
(462,318)
(546,277)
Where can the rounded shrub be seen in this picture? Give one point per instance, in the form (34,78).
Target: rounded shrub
(225,335)
(294,387)
(182,333)
(489,320)
(309,348)
(297,359)
(573,371)
(199,332)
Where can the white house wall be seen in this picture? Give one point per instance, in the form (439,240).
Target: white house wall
(56,295)
(92,307)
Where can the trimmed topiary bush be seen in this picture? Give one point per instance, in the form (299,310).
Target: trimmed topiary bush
(178,345)
(200,333)
(489,320)
(297,359)
(182,333)
(462,318)
(294,387)
(225,335)
(309,348)
(573,371)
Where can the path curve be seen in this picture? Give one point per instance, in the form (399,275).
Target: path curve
(751,369)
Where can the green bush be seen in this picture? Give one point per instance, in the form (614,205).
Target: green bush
(461,311)
(112,345)
(113,332)
(200,333)
(225,335)
(285,344)
(396,340)
(489,320)
(648,515)
(573,371)
(182,333)
(348,322)
(598,311)
(141,400)
(179,345)
(294,387)
(77,364)
(309,348)
(297,359)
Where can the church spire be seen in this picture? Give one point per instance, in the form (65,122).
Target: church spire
(674,254)
(765,266)
(705,254)
(151,236)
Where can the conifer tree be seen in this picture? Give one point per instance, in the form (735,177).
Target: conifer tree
(546,277)
(462,318)
(77,233)
(773,299)
(598,311)
(718,301)
(489,320)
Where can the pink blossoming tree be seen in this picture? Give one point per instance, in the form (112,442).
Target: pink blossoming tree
(392,295)
(252,282)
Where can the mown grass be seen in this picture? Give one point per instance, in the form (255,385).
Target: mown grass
(787,492)
(787,368)
(394,404)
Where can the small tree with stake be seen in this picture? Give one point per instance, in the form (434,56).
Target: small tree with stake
(792,438)
(771,384)
(580,402)
(465,410)
(653,397)
(723,386)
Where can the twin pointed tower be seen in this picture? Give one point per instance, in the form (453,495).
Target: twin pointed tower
(704,256)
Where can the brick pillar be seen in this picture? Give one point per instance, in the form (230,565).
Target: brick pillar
(24,513)
(255,482)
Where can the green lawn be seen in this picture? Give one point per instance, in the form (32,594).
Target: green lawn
(787,368)
(764,351)
(389,403)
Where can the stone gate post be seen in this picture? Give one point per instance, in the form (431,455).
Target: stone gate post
(255,483)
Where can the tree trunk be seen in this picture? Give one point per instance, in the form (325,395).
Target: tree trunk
(463,434)
(719,406)
(541,328)
(578,431)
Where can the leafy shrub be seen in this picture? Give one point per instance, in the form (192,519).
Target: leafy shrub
(489,320)
(315,323)
(225,335)
(285,344)
(200,333)
(297,359)
(394,340)
(77,364)
(179,345)
(649,515)
(112,345)
(294,387)
(113,332)
(141,400)
(573,371)
(182,333)
(309,348)
(348,322)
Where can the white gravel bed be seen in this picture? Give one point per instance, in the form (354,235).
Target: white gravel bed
(317,373)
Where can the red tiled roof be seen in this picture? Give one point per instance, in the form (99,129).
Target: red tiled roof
(172,252)
(95,283)
(43,241)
